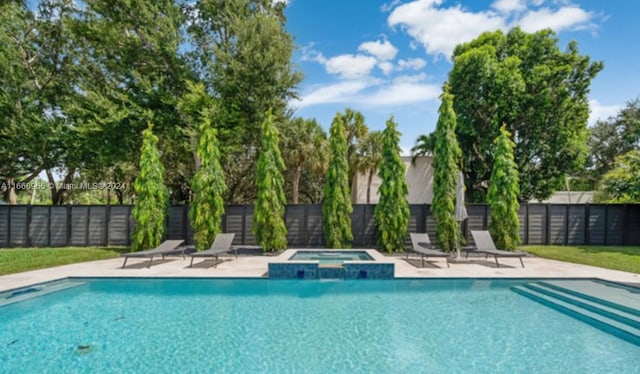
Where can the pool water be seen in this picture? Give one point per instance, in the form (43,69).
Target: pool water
(269,326)
(331,256)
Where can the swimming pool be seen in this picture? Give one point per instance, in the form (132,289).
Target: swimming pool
(244,325)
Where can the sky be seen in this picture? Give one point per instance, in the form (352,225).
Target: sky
(391,58)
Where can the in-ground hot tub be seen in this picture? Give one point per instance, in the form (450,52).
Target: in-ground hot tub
(331,264)
(332,256)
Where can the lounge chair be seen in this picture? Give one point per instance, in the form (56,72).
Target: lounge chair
(484,244)
(221,245)
(422,246)
(167,247)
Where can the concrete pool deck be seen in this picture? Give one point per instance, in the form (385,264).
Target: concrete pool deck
(250,266)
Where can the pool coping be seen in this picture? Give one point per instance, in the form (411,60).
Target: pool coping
(263,279)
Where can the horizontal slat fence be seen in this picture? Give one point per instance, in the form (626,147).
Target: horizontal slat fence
(101,225)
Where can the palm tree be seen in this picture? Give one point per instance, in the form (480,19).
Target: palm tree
(425,144)
(355,129)
(368,156)
(304,145)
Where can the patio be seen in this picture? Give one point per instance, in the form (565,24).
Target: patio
(255,266)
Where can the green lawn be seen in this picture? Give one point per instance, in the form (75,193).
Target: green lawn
(610,257)
(15,260)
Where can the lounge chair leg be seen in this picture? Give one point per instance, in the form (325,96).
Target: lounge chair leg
(447,259)
(521,262)
(422,261)
(150,261)
(496,258)
(125,262)
(191,264)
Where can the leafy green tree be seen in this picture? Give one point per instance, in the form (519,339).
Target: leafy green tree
(503,194)
(268,218)
(445,171)
(608,140)
(152,196)
(38,77)
(623,182)
(242,51)
(133,71)
(336,206)
(392,211)
(208,187)
(303,144)
(368,157)
(523,80)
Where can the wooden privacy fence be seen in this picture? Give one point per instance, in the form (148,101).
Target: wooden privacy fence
(100,225)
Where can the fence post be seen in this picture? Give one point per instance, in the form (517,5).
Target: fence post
(305,224)
(244,224)
(49,228)
(28,232)
(606,224)
(9,226)
(587,222)
(547,225)
(625,226)
(108,223)
(526,225)
(185,223)
(566,226)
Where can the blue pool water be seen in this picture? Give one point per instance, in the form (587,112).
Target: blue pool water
(270,326)
(332,256)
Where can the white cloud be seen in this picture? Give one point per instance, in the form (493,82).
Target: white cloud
(350,66)
(601,112)
(411,64)
(564,18)
(309,53)
(439,30)
(339,92)
(383,51)
(386,67)
(388,6)
(398,94)
(410,78)
(509,6)
(402,90)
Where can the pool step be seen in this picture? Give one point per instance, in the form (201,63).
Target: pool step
(583,301)
(25,293)
(617,297)
(597,316)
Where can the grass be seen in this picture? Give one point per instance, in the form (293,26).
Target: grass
(16,260)
(609,257)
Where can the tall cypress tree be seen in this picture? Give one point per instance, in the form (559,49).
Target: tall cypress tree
(152,196)
(208,187)
(392,210)
(268,218)
(503,194)
(336,206)
(445,164)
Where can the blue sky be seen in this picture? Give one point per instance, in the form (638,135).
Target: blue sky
(391,57)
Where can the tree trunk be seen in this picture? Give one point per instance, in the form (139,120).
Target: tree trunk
(295,183)
(369,186)
(11,192)
(58,195)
